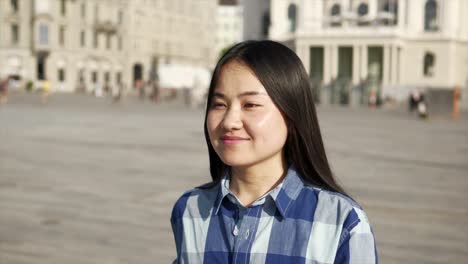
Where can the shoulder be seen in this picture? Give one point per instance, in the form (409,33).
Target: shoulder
(195,201)
(336,208)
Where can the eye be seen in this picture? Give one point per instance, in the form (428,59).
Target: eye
(251,105)
(218,105)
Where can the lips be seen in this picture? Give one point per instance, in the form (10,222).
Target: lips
(233,139)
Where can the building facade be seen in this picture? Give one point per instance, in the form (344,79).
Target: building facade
(229,25)
(256,19)
(86,44)
(355,47)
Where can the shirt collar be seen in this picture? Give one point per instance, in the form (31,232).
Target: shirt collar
(285,193)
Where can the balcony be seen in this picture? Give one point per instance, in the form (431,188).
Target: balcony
(106,27)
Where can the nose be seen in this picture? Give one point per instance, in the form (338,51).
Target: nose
(232,120)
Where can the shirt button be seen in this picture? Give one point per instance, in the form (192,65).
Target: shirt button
(247,234)
(235,232)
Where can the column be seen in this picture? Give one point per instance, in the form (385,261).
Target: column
(334,61)
(399,66)
(303,52)
(326,64)
(386,65)
(394,66)
(402,14)
(364,64)
(356,64)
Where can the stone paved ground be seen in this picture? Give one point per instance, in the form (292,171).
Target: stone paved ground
(86,181)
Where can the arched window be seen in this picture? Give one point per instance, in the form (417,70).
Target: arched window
(335,12)
(14,5)
(363,9)
(429,61)
(292,17)
(430,16)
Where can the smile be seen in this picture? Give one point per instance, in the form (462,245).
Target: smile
(227,140)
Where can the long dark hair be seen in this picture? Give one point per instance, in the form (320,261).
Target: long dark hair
(282,74)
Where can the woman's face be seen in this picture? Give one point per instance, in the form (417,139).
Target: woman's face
(244,125)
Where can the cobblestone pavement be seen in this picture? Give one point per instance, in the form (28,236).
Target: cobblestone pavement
(86,181)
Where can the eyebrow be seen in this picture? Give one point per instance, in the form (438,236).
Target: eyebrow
(249,93)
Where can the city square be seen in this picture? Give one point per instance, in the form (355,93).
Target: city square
(85,180)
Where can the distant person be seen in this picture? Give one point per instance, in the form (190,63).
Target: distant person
(140,86)
(117,91)
(414,98)
(422,106)
(4,90)
(46,89)
(273,197)
(156,90)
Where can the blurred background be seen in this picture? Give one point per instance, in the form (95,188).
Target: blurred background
(101,118)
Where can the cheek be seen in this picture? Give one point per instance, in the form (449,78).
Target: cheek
(270,125)
(212,122)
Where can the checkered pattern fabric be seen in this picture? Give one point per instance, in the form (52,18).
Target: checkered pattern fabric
(294,223)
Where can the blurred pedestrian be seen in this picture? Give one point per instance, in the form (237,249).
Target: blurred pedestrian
(273,196)
(422,106)
(4,90)
(117,91)
(46,89)
(141,89)
(414,98)
(155,88)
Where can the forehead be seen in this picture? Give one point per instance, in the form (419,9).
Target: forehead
(235,77)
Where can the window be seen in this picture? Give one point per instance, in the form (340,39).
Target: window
(14,5)
(62,35)
(83,10)
(106,77)
(430,16)
(41,61)
(292,17)
(95,40)
(118,77)
(335,13)
(43,34)
(265,23)
(96,12)
(429,61)
(94,77)
(61,75)
(120,17)
(63,7)
(83,38)
(108,41)
(363,9)
(335,10)
(391,6)
(14,34)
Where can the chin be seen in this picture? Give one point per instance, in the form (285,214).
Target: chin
(236,160)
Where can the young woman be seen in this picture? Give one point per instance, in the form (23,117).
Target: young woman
(273,198)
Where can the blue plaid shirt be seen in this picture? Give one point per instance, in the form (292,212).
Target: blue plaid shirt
(293,223)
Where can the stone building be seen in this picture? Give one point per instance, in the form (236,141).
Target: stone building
(355,47)
(229,24)
(96,43)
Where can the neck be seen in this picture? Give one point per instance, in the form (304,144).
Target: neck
(251,182)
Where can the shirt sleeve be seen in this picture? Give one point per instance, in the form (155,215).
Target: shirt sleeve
(177,231)
(357,243)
